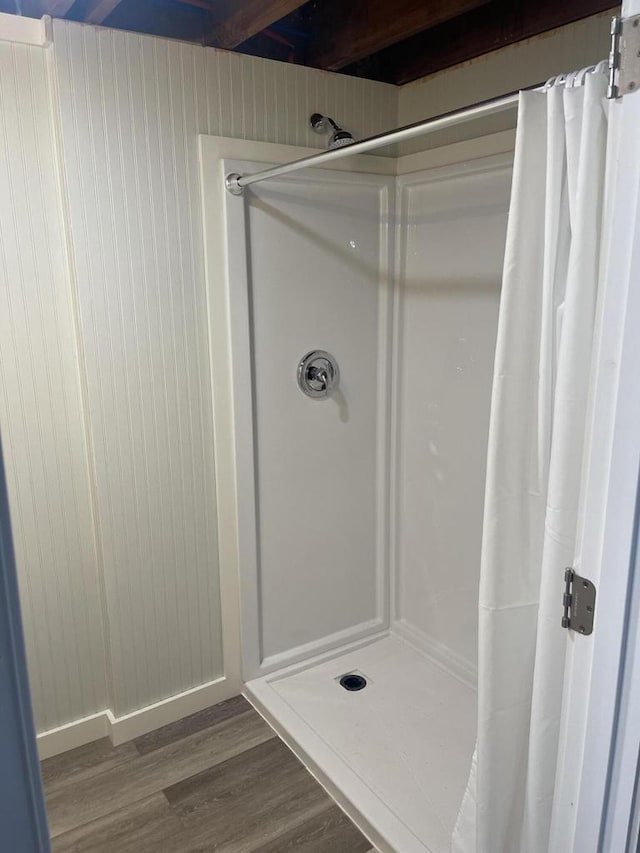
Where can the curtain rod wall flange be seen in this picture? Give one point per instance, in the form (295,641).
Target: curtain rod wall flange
(232,183)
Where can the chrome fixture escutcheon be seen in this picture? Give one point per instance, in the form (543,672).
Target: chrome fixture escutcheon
(318,374)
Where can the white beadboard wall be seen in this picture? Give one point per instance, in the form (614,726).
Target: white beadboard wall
(41,415)
(130,109)
(517,66)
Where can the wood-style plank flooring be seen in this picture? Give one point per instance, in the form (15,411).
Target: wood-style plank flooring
(219,780)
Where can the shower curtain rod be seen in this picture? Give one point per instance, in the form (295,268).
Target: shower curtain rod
(236,183)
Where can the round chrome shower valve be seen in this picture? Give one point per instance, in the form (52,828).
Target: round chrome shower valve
(318,374)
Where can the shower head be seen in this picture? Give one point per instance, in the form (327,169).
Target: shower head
(339,138)
(325,124)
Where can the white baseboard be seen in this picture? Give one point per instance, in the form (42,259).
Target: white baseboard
(128,726)
(169,710)
(77,733)
(437,652)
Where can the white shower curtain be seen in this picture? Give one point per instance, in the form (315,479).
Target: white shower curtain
(539,433)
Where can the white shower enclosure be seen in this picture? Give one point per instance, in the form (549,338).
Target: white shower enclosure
(350,526)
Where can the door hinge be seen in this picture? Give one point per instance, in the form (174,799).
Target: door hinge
(624,56)
(579,603)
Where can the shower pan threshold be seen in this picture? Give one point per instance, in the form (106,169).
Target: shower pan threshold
(396,754)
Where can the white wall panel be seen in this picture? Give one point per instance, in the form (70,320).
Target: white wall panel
(252,98)
(451,254)
(129,145)
(130,109)
(319,255)
(517,66)
(41,416)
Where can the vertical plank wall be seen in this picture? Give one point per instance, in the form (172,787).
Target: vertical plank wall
(41,415)
(517,66)
(143,322)
(131,108)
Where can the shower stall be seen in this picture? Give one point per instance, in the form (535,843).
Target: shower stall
(352,390)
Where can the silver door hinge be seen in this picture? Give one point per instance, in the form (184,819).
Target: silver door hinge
(579,603)
(624,56)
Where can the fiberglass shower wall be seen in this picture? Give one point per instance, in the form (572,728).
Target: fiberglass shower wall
(312,274)
(368,505)
(451,246)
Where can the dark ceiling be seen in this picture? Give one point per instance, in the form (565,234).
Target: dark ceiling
(391,40)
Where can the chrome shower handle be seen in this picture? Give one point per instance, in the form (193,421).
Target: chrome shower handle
(318,374)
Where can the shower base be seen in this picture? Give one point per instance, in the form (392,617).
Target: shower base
(395,754)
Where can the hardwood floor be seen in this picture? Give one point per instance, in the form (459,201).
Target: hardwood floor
(219,780)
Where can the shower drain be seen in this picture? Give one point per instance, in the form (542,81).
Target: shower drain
(352,681)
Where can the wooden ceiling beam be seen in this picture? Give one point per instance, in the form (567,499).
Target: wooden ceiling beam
(248,18)
(348,30)
(481,31)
